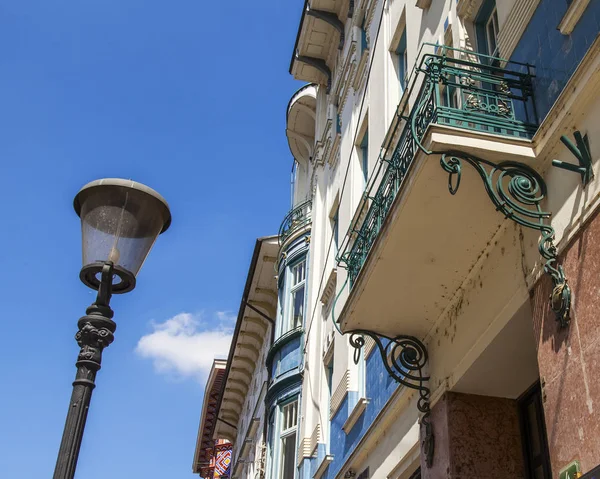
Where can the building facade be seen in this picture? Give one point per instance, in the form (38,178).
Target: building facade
(433,310)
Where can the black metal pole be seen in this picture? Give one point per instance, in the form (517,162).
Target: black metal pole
(96,332)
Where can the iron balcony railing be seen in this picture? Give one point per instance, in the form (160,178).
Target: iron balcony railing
(295,220)
(450,87)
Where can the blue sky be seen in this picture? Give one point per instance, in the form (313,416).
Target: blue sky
(189,97)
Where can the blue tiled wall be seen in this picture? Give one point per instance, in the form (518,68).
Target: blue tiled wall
(379,388)
(287,358)
(309,465)
(555,55)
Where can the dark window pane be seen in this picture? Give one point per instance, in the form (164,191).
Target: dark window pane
(298,305)
(416,474)
(289,453)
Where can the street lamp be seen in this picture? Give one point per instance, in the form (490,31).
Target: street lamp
(120,221)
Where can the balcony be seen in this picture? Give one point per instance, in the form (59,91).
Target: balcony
(296,221)
(320,35)
(300,124)
(411,245)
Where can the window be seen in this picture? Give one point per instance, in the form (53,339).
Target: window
(293,179)
(486,27)
(362,374)
(402,62)
(289,426)
(364,474)
(416,474)
(335,226)
(364,44)
(364,157)
(298,281)
(533,433)
(329,377)
(491,34)
(270,445)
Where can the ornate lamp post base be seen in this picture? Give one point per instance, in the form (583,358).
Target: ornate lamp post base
(96,332)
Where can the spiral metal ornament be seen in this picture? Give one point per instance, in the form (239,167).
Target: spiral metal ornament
(404,358)
(517,191)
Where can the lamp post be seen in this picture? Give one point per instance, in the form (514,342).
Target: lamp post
(120,221)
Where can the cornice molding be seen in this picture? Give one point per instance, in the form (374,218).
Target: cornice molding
(359,408)
(345,77)
(314,439)
(337,398)
(361,70)
(328,459)
(467,9)
(369,346)
(572,16)
(369,15)
(330,286)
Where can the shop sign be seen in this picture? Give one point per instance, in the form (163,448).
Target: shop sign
(572,471)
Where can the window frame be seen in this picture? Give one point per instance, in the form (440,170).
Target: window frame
(402,59)
(287,323)
(533,397)
(362,375)
(364,157)
(285,434)
(364,43)
(271,446)
(488,12)
(328,367)
(493,22)
(335,229)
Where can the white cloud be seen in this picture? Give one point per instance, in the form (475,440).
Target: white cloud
(185,345)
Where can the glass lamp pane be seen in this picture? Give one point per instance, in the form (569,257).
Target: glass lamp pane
(120,221)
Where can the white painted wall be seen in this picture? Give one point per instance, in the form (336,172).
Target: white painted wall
(504,293)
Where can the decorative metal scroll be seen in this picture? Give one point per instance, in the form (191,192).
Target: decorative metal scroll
(516,190)
(404,358)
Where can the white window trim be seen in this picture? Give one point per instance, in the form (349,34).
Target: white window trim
(293,289)
(287,311)
(328,459)
(359,408)
(328,367)
(280,435)
(494,21)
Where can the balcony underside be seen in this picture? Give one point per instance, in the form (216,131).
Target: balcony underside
(430,241)
(320,35)
(300,129)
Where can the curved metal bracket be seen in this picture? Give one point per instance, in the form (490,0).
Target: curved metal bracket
(404,358)
(331,19)
(516,190)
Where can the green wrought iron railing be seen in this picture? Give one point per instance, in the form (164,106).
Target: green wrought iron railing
(451,87)
(295,220)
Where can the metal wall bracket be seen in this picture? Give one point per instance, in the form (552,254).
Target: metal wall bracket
(404,358)
(581,151)
(516,190)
